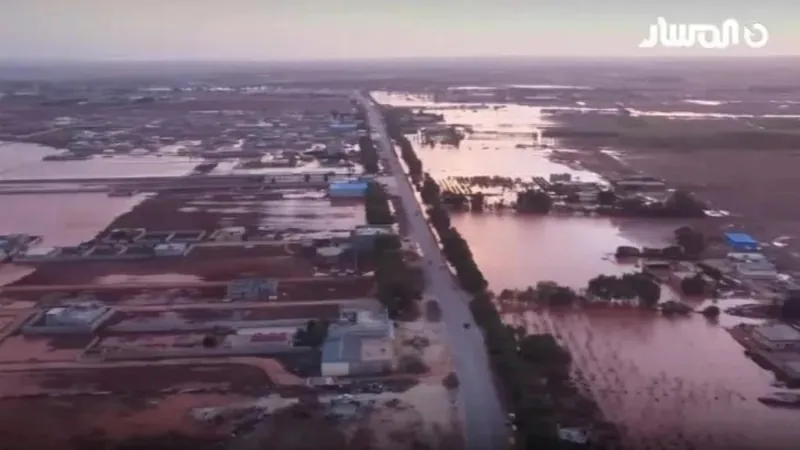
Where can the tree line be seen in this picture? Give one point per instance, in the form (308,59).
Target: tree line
(399,284)
(518,359)
(395,129)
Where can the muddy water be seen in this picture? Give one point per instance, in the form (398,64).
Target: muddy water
(681,382)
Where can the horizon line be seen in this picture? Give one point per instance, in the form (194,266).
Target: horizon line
(651,57)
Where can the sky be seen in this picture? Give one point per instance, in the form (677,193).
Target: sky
(265,30)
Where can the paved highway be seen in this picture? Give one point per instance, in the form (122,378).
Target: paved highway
(483,417)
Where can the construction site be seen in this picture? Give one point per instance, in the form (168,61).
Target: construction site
(178,303)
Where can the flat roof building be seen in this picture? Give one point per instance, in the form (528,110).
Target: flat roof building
(361,344)
(76,318)
(363,237)
(777,336)
(741,242)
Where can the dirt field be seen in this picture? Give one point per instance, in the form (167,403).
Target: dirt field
(18,348)
(159,270)
(238,378)
(113,417)
(307,289)
(115,294)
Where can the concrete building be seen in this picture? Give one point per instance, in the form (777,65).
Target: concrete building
(363,237)
(753,265)
(640,182)
(37,253)
(171,249)
(252,289)
(229,234)
(117,348)
(347,189)
(76,318)
(778,336)
(761,270)
(362,343)
(123,235)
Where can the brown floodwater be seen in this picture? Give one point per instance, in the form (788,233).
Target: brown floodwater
(669,383)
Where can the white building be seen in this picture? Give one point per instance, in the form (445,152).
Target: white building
(76,318)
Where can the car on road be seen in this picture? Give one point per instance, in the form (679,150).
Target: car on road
(466,325)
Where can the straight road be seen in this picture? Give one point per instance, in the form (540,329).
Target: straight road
(483,417)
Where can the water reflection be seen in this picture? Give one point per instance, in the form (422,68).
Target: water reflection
(684,380)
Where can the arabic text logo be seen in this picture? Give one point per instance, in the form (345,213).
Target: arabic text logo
(708,36)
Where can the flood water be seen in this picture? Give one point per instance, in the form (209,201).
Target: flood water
(668,382)
(22,161)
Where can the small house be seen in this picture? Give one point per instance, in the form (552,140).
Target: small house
(741,242)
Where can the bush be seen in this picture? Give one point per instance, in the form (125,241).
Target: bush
(627,287)
(394,127)
(693,242)
(313,334)
(695,285)
(369,155)
(534,201)
(376,202)
(451,381)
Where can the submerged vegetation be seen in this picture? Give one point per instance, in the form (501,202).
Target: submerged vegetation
(603,289)
(534,369)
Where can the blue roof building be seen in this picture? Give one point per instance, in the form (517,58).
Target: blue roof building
(741,242)
(347,189)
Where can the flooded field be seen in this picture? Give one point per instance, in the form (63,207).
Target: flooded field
(20,161)
(685,382)
(62,219)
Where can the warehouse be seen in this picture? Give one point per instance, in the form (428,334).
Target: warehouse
(365,347)
(77,318)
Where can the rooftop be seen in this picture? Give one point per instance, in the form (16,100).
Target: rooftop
(779,332)
(740,238)
(342,349)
